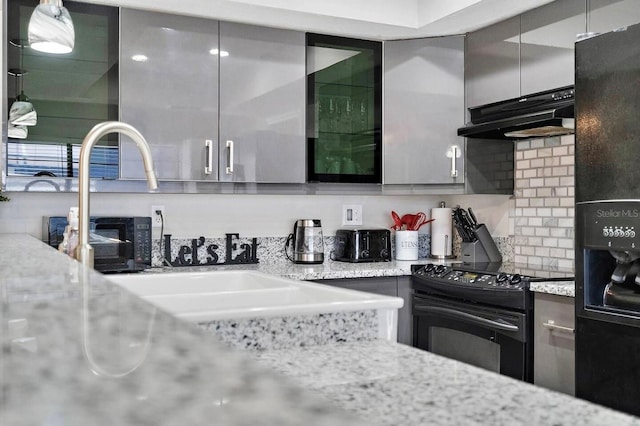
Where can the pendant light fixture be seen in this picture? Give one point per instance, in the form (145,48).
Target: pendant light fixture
(21,112)
(51,28)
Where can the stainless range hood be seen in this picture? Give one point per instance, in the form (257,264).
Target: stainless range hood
(538,115)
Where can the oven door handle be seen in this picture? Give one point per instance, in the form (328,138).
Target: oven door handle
(499,324)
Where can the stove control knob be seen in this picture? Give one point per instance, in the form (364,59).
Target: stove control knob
(364,254)
(384,254)
(502,278)
(516,279)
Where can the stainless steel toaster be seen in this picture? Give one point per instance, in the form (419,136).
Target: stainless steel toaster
(362,245)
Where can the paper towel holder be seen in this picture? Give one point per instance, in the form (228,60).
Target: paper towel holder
(446,242)
(442,256)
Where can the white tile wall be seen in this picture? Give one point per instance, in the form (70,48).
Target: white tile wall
(542,211)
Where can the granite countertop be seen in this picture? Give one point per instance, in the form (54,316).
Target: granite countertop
(341,270)
(79,350)
(393,384)
(324,271)
(558,288)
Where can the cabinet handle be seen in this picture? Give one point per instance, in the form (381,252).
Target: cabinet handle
(229,157)
(208,146)
(552,326)
(453,153)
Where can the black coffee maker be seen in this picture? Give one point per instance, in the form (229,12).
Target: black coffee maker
(623,291)
(608,303)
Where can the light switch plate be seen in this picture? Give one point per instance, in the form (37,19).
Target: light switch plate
(351,214)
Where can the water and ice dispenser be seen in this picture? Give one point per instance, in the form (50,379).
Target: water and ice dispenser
(610,255)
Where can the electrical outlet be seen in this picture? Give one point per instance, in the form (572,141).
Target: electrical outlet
(351,214)
(156,219)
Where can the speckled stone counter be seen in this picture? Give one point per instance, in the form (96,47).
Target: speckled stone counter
(325,271)
(559,288)
(291,331)
(340,270)
(77,350)
(393,384)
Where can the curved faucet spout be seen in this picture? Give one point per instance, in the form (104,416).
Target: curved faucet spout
(84,251)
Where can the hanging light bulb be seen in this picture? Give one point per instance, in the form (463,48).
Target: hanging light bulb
(21,112)
(51,28)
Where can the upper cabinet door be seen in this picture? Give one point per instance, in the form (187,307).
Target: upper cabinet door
(344,116)
(169,92)
(262,104)
(548,36)
(607,15)
(492,63)
(424,106)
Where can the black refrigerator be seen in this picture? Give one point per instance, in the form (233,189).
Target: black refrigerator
(607,192)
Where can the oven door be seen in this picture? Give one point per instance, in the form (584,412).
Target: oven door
(491,338)
(112,247)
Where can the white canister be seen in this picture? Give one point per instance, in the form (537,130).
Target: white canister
(406,245)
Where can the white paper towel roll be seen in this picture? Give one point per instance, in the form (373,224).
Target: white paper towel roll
(441,232)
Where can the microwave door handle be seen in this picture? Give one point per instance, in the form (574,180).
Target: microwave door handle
(499,324)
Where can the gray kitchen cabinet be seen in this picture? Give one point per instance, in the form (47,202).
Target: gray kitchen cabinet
(169,92)
(215,100)
(607,15)
(526,54)
(492,63)
(424,106)
(262,104)
(547,39)
(405,317)
(554,342)
(386,286)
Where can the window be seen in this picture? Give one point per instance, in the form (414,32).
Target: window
(31,159)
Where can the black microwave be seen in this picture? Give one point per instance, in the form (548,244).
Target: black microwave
(120,244)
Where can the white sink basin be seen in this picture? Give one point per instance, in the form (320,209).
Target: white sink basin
(214,295)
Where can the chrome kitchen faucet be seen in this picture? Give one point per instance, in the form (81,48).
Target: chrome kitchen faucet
(84,251)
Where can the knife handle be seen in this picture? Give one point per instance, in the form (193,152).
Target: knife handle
(473,217)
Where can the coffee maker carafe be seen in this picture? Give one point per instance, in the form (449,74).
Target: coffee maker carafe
(623,291)
(308,246)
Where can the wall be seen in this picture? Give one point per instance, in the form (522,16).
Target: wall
(542,212)
(189,215)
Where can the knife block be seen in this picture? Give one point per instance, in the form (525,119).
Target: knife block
(482,250)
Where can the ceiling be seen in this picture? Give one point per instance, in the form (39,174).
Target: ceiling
(368,19)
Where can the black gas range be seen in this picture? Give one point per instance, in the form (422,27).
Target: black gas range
(477,313)
(507,290)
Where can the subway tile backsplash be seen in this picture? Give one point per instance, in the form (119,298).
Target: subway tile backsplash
(542,212)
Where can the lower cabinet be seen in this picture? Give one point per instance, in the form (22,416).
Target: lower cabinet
(386,286)
(554,343)
(405,317)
